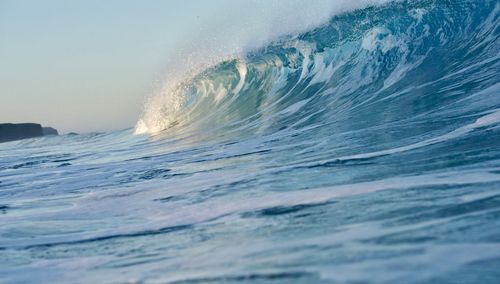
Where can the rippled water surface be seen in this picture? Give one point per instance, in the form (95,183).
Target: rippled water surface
(366,150)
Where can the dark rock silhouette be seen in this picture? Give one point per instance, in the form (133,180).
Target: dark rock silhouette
(49,131)
(11,131)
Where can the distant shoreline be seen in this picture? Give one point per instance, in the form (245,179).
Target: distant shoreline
(18,131)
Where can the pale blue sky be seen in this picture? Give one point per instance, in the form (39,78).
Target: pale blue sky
(87,65)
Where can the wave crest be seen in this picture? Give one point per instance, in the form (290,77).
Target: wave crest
(404,59)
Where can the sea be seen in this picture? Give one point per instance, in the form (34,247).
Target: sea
(363,150)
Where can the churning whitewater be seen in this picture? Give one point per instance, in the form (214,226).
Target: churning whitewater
(366,149)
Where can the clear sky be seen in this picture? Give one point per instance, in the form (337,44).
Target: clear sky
(87,65)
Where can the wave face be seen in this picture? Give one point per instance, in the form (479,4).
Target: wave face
(373,67)
(364,150)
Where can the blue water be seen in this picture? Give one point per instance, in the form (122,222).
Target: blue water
(366,150)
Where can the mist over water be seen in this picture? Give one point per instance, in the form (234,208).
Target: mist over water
(358,146)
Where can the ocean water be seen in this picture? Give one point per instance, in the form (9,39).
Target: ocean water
(366,150)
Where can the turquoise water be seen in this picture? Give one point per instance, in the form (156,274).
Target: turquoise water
(366,150)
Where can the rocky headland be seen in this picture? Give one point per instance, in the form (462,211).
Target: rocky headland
(18,131)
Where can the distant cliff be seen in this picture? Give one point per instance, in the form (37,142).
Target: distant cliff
(11,131)
(49,131)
